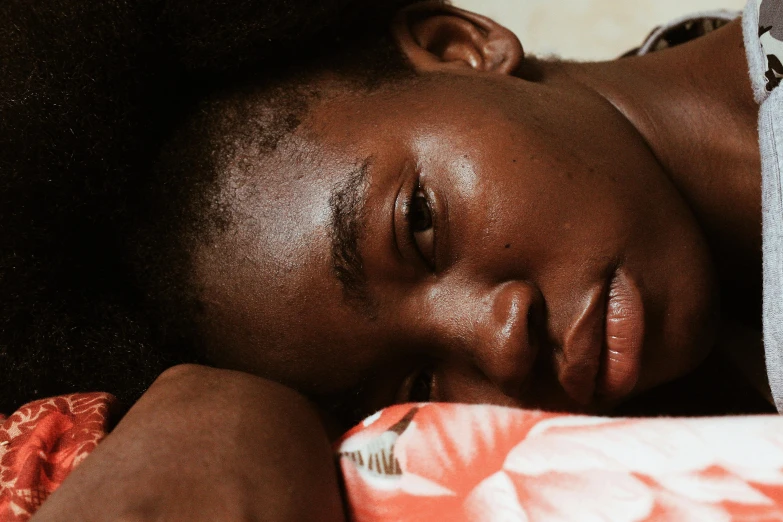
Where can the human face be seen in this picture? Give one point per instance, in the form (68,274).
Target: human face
(515,243)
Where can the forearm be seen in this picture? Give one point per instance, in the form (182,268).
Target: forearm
(205,444)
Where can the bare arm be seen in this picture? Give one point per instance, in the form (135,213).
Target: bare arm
(207,444)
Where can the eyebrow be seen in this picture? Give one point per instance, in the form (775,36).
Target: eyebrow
(347,205)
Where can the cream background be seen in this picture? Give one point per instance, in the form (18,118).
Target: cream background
(587,29)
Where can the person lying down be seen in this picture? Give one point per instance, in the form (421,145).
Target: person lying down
(416,213)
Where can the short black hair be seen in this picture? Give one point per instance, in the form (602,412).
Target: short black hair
(105,175)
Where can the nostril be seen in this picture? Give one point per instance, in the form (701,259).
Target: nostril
(532,327)
(535,319)
(510,347)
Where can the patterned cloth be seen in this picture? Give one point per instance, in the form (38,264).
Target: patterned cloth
(41,443)
(474,463)
(683,30)
(770,23)
(487,463)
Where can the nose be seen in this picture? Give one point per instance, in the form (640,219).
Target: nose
(506,343)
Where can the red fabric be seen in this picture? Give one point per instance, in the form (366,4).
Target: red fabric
(41,443)
(474,463)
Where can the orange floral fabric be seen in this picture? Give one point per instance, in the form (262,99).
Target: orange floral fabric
(477,463)
(41,443)
(474,463)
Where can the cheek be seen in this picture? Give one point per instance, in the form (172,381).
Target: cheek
(547,217)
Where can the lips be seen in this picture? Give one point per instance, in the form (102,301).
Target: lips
(624,336)
(602,348)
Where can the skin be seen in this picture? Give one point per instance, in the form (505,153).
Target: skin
(535,208)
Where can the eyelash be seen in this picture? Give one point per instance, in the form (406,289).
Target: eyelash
(411,238)
(427,374)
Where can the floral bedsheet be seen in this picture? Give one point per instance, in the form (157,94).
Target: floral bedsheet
(474,463)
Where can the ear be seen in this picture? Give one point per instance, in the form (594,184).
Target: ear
(438,37)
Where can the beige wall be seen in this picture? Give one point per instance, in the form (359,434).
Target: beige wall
(587,29)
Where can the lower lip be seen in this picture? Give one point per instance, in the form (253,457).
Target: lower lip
(621,359)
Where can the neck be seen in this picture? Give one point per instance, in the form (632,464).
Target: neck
(694,106)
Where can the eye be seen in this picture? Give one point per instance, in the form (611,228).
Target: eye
(421,386)
(420,222)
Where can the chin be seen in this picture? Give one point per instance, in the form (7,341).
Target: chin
(676,359)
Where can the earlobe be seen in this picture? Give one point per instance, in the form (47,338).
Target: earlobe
(438,37)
